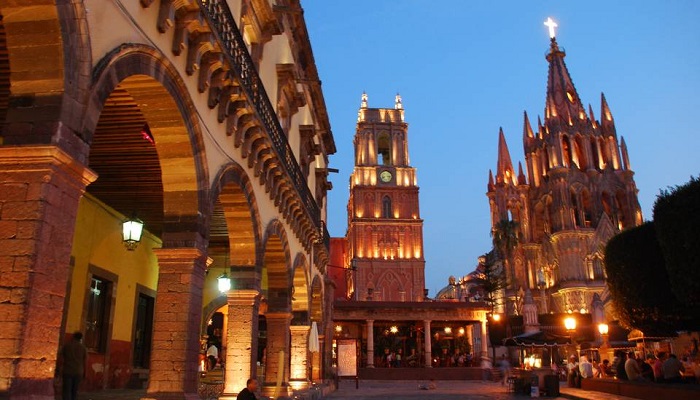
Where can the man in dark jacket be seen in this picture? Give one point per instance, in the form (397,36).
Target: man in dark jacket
(74,360)
(249,392)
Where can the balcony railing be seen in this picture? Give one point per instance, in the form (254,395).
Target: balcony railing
(224,27)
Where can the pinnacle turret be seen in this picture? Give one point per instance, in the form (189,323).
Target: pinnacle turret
(504,168)
(607,122)
(521,175)
(562,101)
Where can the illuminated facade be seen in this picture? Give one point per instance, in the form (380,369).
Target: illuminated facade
(576,192)
(379,265)
(385,231)
(205,119)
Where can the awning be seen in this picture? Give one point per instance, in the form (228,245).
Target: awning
(538,338)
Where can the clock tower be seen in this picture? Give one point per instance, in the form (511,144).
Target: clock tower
(385,230)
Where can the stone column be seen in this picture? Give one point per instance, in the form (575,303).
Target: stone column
(469,330)
(317,360)
(277,340)
(484,340)
(40,188)
(178,315)
(242,338)
(370,343)
(298,358)
(428,344)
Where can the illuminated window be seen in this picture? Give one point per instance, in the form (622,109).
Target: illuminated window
(384,149)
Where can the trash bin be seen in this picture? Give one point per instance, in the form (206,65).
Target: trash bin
(521,386)
(551,385)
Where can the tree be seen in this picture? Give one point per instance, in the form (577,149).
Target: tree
(677,221)
(491,279)
(638,282)
(505,237)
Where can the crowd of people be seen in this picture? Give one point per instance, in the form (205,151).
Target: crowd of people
(661,368)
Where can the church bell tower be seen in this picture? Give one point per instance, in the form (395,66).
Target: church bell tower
(385,231)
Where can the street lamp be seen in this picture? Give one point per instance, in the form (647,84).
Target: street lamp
(570,325)
(603,329)
(490,320)
(132,229)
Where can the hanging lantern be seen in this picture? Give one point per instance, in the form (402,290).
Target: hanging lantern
(224,283)
(132,229)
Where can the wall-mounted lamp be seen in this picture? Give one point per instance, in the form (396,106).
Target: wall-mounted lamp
(224,282)
(132,229)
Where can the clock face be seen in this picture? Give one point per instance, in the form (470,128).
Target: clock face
(385,176)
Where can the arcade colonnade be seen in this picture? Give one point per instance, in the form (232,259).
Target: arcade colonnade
(425,333)
(205,120)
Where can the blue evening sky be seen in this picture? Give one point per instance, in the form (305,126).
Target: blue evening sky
(464,68)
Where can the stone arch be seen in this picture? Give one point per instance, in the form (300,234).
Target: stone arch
(209,309)
(162,96)
(53,64)
(233,197)
(316,300)
(391,285)
(300,299)
(276,280)
(384,149)
(567,152)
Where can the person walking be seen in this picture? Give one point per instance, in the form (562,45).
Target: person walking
(505,369)
(73,361)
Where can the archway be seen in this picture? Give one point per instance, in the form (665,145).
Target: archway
(35,48)
(276,284)
(316,315)
(234,242)
(147,148)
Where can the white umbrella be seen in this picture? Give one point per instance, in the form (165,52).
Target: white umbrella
(313,338)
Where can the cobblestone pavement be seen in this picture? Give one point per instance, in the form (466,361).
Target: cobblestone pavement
(388,390)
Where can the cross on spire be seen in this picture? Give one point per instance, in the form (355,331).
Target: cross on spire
(549,23)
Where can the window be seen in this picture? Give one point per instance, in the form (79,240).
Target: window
(97,315)
(143,332)
(384,149)
(386,207)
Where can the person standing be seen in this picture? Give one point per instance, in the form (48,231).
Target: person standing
(212,356)
(673,368)
(585,368)
(73,361)
(248,393)
(572,372)
(632,368)
(657,366)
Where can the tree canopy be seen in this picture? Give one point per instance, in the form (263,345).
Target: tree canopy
(677,220)
(638,282)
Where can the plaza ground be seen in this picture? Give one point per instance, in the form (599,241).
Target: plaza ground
(400,390)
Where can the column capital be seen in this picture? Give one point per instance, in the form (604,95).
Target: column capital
(369,321)
(175,254)
(18,157)
(242,297)
(299,328)
(278,315)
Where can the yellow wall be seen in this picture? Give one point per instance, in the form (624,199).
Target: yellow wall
(97,241)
